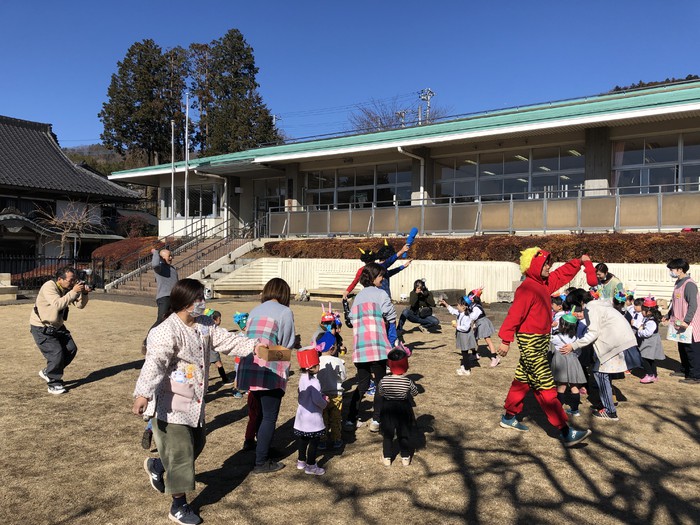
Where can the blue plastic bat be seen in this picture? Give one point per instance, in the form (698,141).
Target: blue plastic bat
(409,241)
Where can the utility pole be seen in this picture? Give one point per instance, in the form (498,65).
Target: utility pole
(425,95)
(275,118)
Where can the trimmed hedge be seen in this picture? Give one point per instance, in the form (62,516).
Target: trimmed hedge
(606,247)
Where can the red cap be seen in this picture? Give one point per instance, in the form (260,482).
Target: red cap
(476,293)
(398,367)
(307,358)
(649,302)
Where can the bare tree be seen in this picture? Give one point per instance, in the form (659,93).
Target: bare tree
(379,115)
(74,221)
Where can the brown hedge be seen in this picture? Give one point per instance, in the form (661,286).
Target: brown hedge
(615,247)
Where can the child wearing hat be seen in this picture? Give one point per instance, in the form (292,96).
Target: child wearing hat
(397,413)
(464,334)
(308,423)
(331,376)
(566,367)
(649,340)
(483,327)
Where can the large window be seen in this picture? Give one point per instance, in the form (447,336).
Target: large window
(647,165)
(204,201)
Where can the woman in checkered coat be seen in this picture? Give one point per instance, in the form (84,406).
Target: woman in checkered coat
(374,334)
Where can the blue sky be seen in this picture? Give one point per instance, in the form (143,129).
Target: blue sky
(317,57)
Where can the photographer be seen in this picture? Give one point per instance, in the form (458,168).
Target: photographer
(47,324)
(420,310)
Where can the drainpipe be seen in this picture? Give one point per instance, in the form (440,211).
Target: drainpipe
(422,171)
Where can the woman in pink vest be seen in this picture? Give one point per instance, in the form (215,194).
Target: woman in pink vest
(685,316)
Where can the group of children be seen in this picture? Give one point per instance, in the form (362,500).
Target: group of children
(571,368)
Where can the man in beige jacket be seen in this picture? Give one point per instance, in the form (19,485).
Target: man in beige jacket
(47,324)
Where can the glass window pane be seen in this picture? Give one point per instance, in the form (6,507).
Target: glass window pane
(403,195)
(662,179)
(364,176)
(444,169)
(346,196)
(661,149)
(517,162)
(325,199)
(327,179)
(314,182)
(490,189)
(385,197)
(346,178)
(572,157)
(691,178)
(490,164)
(545,160)
(404,172)
(570,183)
(466,167)
(466,188)
(628,181)
(386,174)
(517,187)
(628,152)
(545,186)
(691,146)
(445,189)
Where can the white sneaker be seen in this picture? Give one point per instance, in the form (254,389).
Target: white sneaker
(406,461)
(42,374)
(374,426)
(56,389)
(386,462)
(495,361)
(461,371)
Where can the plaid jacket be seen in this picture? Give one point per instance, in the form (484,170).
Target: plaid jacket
(255,373)
(369,333)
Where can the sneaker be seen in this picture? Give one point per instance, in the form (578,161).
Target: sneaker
(268,467)
(249,444)
(338,443)
(323,445)
(238,394)
(574,437)
(513,424)
(56,389)
(301,465)
(690,381)
(42,374)
(461,371)
(155,476)
(372,390)
(350,425)
(604,414)
(184,515)
(647,379)
(146,439)
(423,329)
(654,378)
(495,361)
(374,426)
(475,356)
(672,374)
(406,461)
(314,470)
(574,413)
(386,462)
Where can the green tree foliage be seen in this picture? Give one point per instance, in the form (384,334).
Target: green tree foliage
(144,94)
(233,116)
(642,84)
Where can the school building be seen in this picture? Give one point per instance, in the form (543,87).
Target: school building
(623,161)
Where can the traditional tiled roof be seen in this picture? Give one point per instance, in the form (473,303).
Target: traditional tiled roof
(30,158)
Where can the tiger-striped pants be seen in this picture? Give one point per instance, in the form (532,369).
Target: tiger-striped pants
(533,372)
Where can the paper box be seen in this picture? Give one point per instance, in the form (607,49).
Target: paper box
(275,353)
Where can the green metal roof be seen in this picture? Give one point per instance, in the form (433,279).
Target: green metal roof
(597,106)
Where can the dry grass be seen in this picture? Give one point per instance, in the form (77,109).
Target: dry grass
(76,458)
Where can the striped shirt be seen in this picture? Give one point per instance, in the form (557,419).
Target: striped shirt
(397,387)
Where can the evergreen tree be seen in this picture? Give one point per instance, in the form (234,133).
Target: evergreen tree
(233,115)
(143,96)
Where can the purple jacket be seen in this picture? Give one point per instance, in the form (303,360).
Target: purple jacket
(311,404)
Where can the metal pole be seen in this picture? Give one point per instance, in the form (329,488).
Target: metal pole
(172,177)
(187,161)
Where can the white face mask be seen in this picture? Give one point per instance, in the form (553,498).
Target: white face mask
(673,274)
(198,308)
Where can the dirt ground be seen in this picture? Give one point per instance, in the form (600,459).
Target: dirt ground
(77,458)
